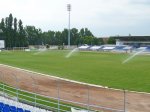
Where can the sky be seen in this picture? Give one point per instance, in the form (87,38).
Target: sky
(102,17)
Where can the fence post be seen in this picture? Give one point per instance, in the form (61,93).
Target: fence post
(124,100)
(17,87)
(88,101)
(2,83)
(34,91)
(58,103)
(3,86)
(35,99)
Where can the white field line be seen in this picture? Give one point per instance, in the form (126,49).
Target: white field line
(93,85)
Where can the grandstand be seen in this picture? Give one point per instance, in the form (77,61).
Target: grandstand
(115,48)
(135,41)
(108,48)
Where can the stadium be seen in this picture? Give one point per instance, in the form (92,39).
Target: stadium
(72,70)
(51,87)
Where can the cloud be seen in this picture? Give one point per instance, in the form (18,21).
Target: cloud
(140,2)
(97,15)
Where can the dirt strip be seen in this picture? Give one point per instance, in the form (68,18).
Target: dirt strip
(90,95)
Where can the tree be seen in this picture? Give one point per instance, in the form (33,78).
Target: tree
(2,28)
(10,31)
(10,22)
(16,35)
(35,36)
(6,22)
(88,40)
(31,34)
(85,37)
(15,24)
(39,36)
(51,37)
(88,32)
(58,38)
(2,24)
(74,36)
(111,40)
(22,35)
(82,33)
(64,36)
(97,41)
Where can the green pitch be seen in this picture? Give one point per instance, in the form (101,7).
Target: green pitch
(91,67)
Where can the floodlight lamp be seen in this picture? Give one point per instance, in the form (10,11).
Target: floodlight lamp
(68,7)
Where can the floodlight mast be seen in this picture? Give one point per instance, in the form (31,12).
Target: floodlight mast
(69,9)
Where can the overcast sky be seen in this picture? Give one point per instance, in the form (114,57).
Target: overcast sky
(102,17)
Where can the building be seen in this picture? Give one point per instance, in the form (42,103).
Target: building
(135,41)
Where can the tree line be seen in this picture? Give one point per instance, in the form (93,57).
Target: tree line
(13,32)
(16,35)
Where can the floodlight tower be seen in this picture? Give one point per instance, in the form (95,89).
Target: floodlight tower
(69,9)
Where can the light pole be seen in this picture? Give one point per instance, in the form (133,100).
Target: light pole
(69,9)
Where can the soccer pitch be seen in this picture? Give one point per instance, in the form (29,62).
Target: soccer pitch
(104,69)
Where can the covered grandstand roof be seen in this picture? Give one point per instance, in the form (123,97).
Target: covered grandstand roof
(142,48)
(95,47)
(132,38)
(108,48)
(84,47)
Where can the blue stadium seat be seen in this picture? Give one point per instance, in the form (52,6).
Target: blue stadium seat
(20,110)
(148,48)
(1,106)
(6,108)
(119,47)
(13,109)
(9,108)
(27,111)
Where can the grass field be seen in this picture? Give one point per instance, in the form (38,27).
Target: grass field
(91,67)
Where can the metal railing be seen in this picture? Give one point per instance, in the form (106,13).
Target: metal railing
(33,99)
(60,103)
(52,103)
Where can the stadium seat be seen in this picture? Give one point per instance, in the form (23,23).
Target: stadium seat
(6,108)
(9,108)
(1,108)
(148,48)
(27,111)
(119,47)
(1,105)
(13,109)
(19,110)
(7,105)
